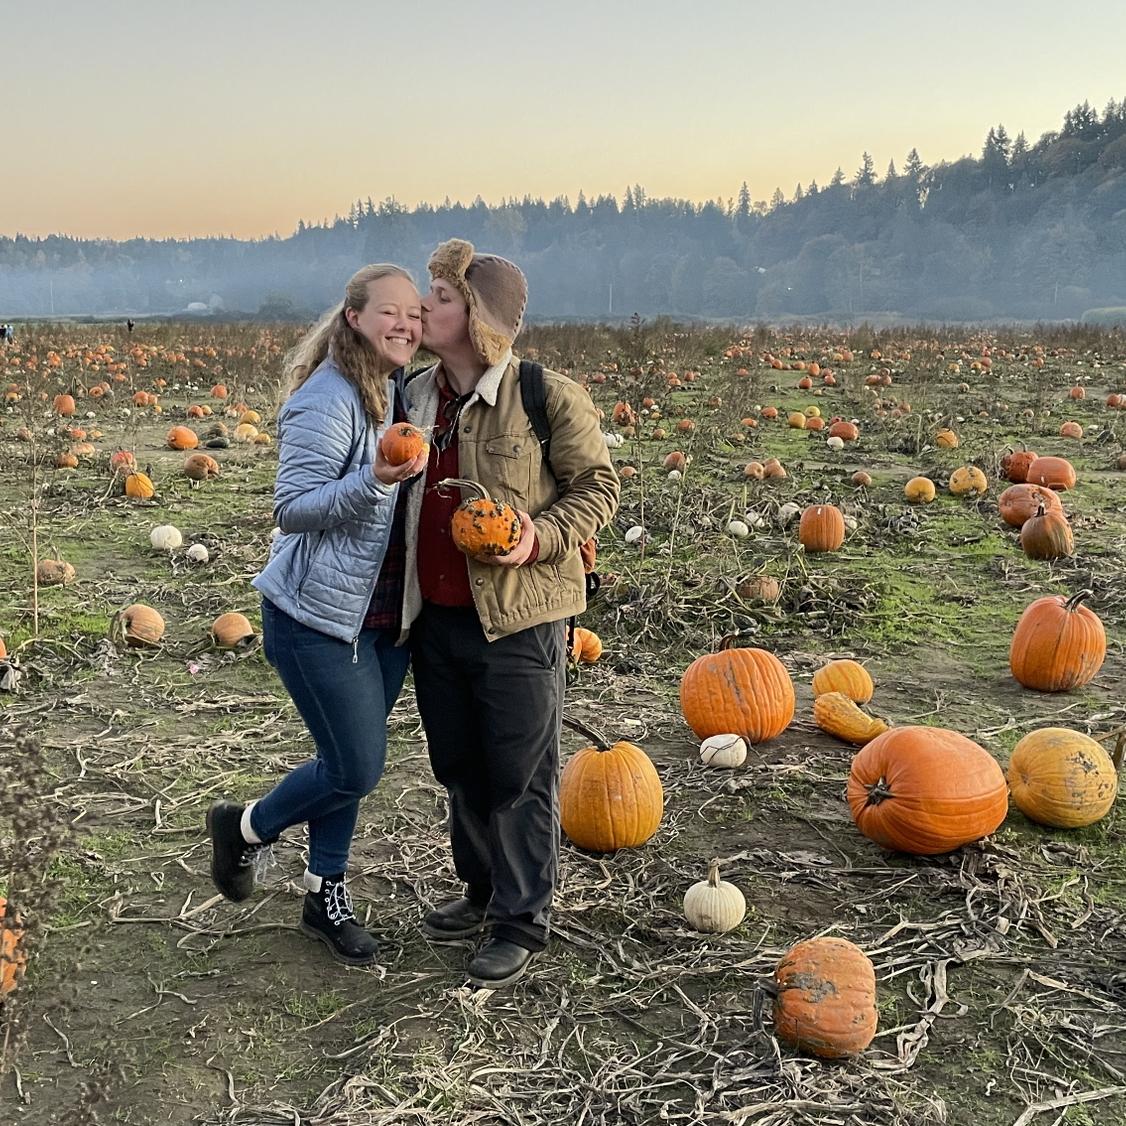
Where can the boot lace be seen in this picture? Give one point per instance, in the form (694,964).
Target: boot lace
(338,903)
(261,858)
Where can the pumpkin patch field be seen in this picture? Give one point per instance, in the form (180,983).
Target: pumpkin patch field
(842,837)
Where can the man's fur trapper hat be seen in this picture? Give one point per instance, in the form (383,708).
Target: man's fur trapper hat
(494,289)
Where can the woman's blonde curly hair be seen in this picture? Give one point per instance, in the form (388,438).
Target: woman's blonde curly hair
(332,336)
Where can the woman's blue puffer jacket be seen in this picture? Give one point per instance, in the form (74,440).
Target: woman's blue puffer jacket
(334,515)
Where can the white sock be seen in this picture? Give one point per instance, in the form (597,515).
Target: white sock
(312,883)
(248,834)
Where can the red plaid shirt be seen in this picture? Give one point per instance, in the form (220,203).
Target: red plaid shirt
(443,570)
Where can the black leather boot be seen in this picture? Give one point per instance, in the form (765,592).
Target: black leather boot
(234,862)
(460,919)
(328,917)
(498,963)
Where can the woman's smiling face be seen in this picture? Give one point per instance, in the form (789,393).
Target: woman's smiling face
(391,321)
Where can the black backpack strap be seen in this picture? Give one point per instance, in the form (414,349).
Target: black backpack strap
(533,394)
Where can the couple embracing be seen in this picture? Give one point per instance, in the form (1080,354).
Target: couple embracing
(364,579)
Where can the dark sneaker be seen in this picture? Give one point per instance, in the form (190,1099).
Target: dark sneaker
(498,963)
(460,919)
(328,917)
(234,863)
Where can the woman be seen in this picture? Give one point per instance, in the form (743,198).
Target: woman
(331,596)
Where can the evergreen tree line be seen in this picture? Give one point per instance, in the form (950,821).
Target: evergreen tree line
(1023,231)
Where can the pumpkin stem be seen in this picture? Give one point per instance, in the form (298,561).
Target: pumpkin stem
(878,792)
(1072,604)
(461,483)
(600,741)
(728,641)
(713,873)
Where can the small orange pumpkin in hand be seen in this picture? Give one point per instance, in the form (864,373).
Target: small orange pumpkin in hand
(401,443)
(482,525)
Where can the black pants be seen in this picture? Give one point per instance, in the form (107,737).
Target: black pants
(492,713)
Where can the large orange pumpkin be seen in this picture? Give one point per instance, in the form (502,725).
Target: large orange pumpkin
(1018,503)
(1062,778)
(825,998)
(586,647)
(1047,535)
(847,676)
(200,467)
(744,692)
(1052,472)
(1015,463)
(821,528)
(1059,644)
(13,957)
(139,486)
(925,790)
(183,438)
(139,626)
(610,796)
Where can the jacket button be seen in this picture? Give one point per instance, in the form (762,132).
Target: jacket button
(479,582)
(467,429)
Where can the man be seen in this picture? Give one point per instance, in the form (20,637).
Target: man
(487,634)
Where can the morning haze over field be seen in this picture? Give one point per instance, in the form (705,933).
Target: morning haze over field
(220,118)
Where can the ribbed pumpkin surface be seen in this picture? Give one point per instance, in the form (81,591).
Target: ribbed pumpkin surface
(610,799)
(744,692)
(926,790)
(1062,778)
(826,1002)
(847,676)
(1056,647)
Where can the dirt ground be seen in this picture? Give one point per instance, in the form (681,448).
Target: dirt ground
(1001,967)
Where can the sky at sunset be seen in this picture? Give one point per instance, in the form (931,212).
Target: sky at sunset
(240,118)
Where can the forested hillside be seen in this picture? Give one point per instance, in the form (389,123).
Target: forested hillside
(1024,230)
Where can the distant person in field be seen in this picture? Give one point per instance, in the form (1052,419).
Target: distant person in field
(3,334)
(487,632)
(129,325)
(331,596)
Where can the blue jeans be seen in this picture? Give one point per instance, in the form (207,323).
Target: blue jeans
(345,707)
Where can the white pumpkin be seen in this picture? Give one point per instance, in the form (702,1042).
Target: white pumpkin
(636,534)
(166,537)
(738,529)
(723,750)
(714,906)
(835,443)
(674,475)
(788,513)
(613,440)
(198,553)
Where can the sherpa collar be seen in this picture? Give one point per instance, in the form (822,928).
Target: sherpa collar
(487,388)
(489,384)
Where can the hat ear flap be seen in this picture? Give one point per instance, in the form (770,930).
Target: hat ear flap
(489,344)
